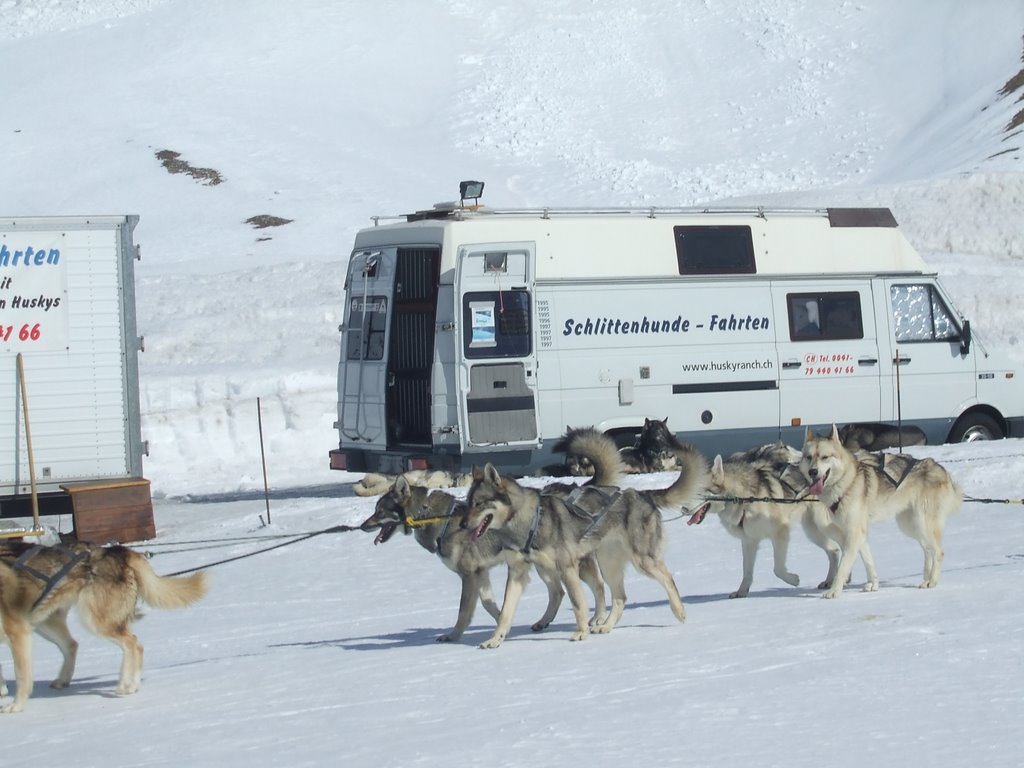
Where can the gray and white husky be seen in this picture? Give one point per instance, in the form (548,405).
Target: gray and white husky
(738,489)
(858,489)
(557,530)
(434,519)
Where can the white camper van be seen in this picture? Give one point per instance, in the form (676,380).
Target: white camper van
(475,334)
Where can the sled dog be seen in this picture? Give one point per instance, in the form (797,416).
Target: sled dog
(655,449)
(876,437)
(857,489)
(558,530)
(737,488)
(375,484)
(39,585)
(440,533)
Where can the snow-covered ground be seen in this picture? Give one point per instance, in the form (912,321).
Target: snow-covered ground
(326,113)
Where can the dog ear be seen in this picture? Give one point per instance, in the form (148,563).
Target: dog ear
(491,474)
(809,435)
(402,488)
(478,473)
(717,470)
(835,435)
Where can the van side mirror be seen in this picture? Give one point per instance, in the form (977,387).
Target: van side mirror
(965,338)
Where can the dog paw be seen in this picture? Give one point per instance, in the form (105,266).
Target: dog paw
(10,709)
(871,586)
(494,642)
(927,584)
(791,578)
(540,626)
(738,593)
(446,639)
(579,635)
(58,684)
(832,594)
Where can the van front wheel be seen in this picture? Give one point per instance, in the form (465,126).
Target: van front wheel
(975,426)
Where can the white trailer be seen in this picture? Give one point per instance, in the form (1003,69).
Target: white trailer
(477,334)
(67,306)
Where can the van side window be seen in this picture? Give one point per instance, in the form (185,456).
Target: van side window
(815,316)
(714,250)
(919,314)
(366,325)
(496,324)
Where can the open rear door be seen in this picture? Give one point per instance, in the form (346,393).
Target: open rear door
(498,357)
(384,375)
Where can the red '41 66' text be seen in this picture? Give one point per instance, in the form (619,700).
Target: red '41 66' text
(25,333)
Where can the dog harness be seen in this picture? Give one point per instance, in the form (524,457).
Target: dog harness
(911,462)
(533,529)
(611,495)
(49,580)
(447,521)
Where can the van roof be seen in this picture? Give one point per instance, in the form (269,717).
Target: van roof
(598,243)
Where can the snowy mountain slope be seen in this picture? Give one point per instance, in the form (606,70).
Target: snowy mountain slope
(327,113)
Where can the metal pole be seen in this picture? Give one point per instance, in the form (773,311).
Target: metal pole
(263,458)
(899,408)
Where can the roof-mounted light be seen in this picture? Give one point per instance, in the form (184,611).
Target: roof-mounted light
(471,190)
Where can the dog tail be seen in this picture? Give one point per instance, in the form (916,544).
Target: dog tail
(600,449)
(166,591)
(693,479)
(373,484)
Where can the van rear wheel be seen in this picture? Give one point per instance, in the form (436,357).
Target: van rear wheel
(972,427)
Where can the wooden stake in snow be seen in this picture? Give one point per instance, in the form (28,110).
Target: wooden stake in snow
(263,459)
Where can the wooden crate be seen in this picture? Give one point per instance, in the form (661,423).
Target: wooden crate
(119,510)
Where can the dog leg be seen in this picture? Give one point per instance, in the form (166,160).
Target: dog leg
(929,536)
(613,568)
(555,595)
(55,629)
(851,546)
(749,558)
(467,604)
(816,536)
(780,548)
(591,576)
(487,595)
(3,683)
(19,637)
(657,570)
(131,659)
(871,585)
(518,577)
(571,578)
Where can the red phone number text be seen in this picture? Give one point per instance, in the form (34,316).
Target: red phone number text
(25,333)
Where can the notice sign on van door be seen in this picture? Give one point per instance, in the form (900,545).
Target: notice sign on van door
(33,292)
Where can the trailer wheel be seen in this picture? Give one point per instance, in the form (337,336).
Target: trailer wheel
(975,426)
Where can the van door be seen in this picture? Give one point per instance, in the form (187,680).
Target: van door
(497,355)
(362,372)
(828,354)
(935,378)
(384,375)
